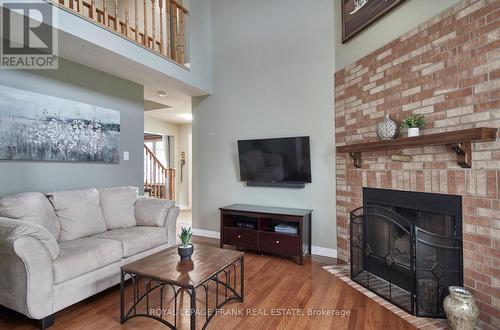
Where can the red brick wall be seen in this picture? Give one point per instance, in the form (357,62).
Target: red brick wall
(448,69)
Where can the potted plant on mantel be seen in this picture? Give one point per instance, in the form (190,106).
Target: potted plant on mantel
(185,250)
(413,123)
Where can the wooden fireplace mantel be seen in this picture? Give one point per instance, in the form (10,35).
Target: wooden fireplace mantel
(460,142)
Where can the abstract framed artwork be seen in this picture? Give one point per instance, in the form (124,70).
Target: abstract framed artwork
(37,127)
(357,15)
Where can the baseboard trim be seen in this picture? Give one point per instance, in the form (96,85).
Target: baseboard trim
(206,233)
(316,250)
(324,252)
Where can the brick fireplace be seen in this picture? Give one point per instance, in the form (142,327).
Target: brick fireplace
(448,69)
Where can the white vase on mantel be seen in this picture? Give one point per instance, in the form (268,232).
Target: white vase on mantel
(413,131)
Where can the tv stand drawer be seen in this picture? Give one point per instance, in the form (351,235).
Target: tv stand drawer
(261,235)
(240,237)
(280,242)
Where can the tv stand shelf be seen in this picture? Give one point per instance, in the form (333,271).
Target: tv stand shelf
(259,233)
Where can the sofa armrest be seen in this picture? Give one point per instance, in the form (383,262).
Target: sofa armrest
(26,275)
(171,225)
(152,212)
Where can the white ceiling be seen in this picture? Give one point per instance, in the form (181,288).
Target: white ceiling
(178,102)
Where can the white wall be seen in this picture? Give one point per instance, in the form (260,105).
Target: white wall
(273,64)
(402,19)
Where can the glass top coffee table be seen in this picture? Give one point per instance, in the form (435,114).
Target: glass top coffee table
(161,279)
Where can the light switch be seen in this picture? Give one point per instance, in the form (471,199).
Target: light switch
(126,155)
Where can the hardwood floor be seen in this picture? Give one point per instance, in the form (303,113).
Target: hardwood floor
(272,285)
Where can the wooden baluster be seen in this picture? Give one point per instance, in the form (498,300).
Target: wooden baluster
(160,173)
(137,20)
(173,184)
(165,174)
(117,19)
(174,32)
(80,7)
(160,4)
(153,23)
(105,8)
(164,195)
(168,9)
(152,177)
(145,169)
(146,38)
(93,10)
(126,19)
(165,177)
(181,36)
(170,186)
(150,173)
(155,168)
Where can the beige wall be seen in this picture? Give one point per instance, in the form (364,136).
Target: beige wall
(156,126)
(184,131)
(180,132)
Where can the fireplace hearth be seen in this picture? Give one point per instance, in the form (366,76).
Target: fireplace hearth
(407,248)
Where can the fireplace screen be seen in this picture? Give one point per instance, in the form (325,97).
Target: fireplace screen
(407,253)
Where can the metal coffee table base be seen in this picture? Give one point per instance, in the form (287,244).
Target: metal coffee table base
(229,285)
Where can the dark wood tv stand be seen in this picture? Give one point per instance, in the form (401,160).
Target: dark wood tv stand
(260,235)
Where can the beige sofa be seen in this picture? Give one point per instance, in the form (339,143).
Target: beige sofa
(60,248)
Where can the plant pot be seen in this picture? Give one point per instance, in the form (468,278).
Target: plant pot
(413,131)
(461,309)
(185,252)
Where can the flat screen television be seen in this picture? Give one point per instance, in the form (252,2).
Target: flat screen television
(278,160)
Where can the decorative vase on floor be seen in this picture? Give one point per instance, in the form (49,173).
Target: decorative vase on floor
(461,309)
(413,131)
(387,129)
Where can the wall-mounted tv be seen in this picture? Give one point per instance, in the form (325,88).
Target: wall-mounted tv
(277,161)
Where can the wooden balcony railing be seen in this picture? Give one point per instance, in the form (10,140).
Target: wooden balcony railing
(159,25)
(159,181)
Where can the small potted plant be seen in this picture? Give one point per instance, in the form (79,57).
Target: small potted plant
(185,250)
(413,123)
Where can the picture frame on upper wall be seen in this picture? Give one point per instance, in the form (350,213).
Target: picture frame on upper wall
(357,15)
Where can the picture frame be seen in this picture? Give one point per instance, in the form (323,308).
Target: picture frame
(357,15)
(44,128)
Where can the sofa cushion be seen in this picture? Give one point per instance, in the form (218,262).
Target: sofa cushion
(136,239)
(152,211)
(117,205)
(31,207)
(79,213)
(84,255)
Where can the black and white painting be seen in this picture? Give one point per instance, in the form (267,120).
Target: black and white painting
(45,128)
